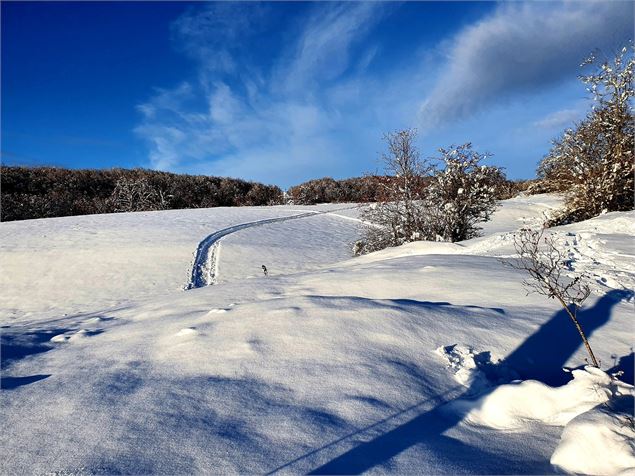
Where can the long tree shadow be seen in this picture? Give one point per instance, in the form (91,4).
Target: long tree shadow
(540,357)
(543,354)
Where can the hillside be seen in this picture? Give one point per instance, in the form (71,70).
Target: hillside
(407,360)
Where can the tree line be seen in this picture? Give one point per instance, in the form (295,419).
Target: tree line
(45,192)
(371,188)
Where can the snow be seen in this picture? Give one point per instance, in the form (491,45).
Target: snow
(510,406)
(600,441)
(87,262)
(406,360)
(475,371)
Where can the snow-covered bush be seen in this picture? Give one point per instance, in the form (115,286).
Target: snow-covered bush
(461,194)
(592,164)
(445,205)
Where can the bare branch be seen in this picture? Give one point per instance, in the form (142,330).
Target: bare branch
(548,267)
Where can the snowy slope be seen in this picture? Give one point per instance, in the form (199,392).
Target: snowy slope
(76,264)
(316,241)
(384,363)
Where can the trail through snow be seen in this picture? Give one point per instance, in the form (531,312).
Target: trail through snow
(206,257)
(205,266)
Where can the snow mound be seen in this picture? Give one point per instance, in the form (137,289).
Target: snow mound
(188,331)
(98,320)
(74,336)
(220,310)
(513,405)
(600,441)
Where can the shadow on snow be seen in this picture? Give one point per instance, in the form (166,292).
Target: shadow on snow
(540,357)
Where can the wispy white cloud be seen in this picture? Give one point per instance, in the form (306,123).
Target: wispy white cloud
(561,119)
(322,52)
(520,48)
(314,108)
(216,34)
(265,123)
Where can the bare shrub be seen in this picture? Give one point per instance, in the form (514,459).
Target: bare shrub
(137,194)
(546,264)
(328,190)
(398,217)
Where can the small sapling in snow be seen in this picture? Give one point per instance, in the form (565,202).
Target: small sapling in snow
(547,265)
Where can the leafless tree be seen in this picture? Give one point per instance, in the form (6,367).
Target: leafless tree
(398,215)
(132,194)
(548,268)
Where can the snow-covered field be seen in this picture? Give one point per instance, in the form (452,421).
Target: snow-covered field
(79,264)
(398,361)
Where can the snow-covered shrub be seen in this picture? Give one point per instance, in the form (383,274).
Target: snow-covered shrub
(461,195)
(592,164)
(416,205)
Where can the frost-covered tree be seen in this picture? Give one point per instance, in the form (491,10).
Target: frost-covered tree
(137,194)
(446,205)
(398,216)
(461,194)
(592,163)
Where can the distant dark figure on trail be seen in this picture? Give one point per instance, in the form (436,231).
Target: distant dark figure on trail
(264,270)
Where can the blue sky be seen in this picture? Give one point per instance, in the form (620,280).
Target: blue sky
(283,92)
